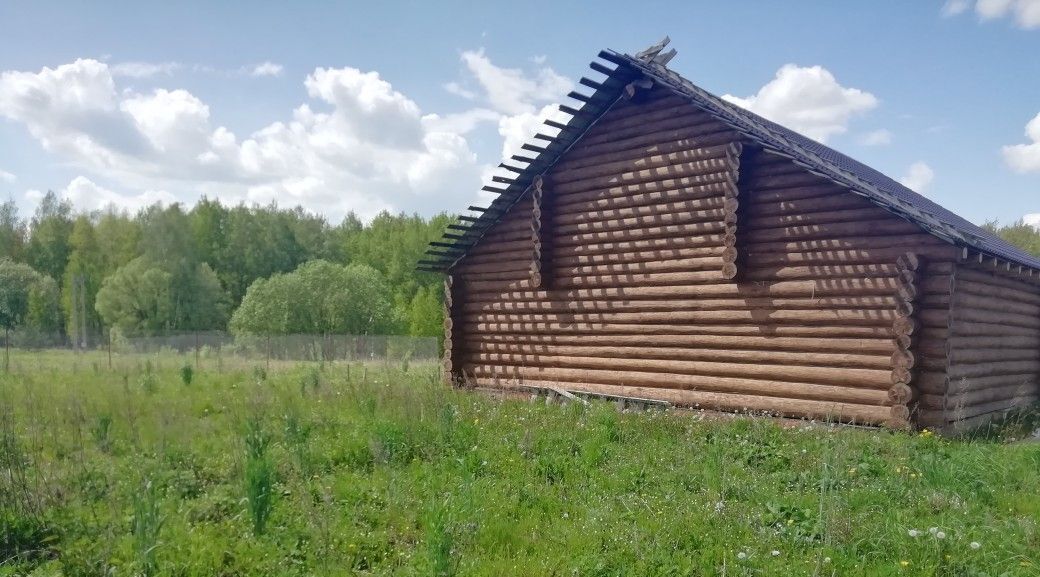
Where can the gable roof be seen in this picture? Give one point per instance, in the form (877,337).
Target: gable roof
(772,137)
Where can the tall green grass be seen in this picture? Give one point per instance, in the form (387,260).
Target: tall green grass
(377,470)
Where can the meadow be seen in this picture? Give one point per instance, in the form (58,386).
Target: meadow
(156,467)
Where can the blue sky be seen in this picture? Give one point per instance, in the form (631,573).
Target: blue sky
(342,106)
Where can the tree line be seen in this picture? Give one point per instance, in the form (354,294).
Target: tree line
(255,269)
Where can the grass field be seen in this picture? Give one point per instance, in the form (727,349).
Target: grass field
(157,469)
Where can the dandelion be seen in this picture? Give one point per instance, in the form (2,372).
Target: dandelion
(742,555)
(775,553)
(933,530)
(826,560)
(914,533)
(940,535)
(904,563)
(975,545)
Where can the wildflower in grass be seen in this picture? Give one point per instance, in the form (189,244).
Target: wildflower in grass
(742,555)
(826,560)
(775,553)
(904,563)
(914,533)
(927,433)
(940,535)
(975,545)
(933,530)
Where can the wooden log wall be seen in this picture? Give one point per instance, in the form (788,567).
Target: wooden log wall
(641,302)
(993,351)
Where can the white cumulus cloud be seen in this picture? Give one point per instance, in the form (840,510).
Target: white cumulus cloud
(918,177)
(1032,219)
(955,7)
(510,90)
(85,194)
(267,68)
(354,142)
(1025,13)
(7,176)
(808,100)
(1025,157)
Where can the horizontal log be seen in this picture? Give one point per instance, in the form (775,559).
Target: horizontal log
(805,357)
(688,264)
(955,401)
(860,317)
(640,125)
(824,410)
(848,201)
(875,347)
(655,133)
(753,258)
(973,315)
(607,168)
(866,270)
(706,186)
(711,242)
(624,114)
(476,263)
(693,196)
(701,221)
(994,342)
(939,383)
(490,303)
(996,292)
(639,256)
(854,331)
(838,244)
(706,166)
(970,355)
(770,196)
(968,272)
(936,318)
(813,218)
(969,411)
(757,183)
(719,382)
(672,141)
(957,371)
(976,329)
(842,229)
(703,237)
(711,208)
(805,288)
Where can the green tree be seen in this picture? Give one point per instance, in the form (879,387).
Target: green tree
(83,277)
(143,297)
(118,238)
(28,299)
(12,232)
(393,244)
(318,297)
(426,316)
(1020,234)
(48,250)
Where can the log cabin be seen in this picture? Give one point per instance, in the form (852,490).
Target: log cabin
(665,244)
